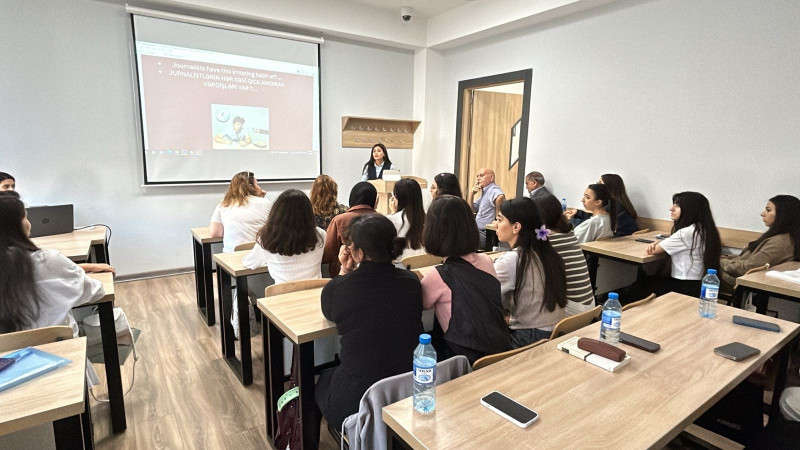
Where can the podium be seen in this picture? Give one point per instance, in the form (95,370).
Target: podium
(385,189)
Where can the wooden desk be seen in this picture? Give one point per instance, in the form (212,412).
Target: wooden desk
(624,249)
(58,396)
(763,286)
(204,284)
(230,265)
(108,334)
(298,317)
(72,242)
(644,405)
(76,250)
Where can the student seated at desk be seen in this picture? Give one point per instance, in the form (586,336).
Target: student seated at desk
(597,202)
(241,213)
(626,213)
(377,309)
(532,278)
(324,201)
(464,291)
(445,183)
(779,244)
(410,216)
(580,295)
(363,198)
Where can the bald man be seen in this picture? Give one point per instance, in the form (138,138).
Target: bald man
(487,206)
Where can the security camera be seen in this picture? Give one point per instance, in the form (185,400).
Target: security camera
(405,13)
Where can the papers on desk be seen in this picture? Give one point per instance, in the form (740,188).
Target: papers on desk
(29,363)
(570,346)
(789,275)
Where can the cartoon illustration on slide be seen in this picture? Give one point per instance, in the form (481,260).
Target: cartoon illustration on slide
(240,127)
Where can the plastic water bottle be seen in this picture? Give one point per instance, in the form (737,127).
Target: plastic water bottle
(563,204)
(708,295)
(612,317)
(424,375)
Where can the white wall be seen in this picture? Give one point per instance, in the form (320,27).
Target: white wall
(671,94)
(69,134)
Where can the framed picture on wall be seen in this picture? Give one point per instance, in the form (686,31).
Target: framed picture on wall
(513,154)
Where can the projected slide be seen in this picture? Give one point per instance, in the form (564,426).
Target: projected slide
(207,115)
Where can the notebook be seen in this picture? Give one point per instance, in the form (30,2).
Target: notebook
(30,363)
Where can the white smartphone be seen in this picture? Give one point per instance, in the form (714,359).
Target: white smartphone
(518,415)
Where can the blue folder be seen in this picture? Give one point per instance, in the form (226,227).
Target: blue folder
(30,363)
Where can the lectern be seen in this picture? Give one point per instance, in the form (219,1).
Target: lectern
(385,189)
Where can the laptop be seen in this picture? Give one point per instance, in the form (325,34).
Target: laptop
(50,220)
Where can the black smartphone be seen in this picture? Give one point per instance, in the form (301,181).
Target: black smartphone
(519,415)
(639,343)
(646,241)
(769,326)
(736,351)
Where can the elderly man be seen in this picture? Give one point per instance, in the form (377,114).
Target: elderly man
(534,183)
(488,205)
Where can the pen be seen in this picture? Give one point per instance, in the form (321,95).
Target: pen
(11,360)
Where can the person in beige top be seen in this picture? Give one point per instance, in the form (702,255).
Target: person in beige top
(780,243)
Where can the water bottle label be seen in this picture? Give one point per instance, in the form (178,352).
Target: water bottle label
(610,322)
(424,375)
(709,292)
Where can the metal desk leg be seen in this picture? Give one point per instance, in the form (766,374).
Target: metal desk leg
(225,308)
(68,433)
(761,300)
(273,361)
(86,423)
(199,275)
(308,403)
(246,363)
(101,253)
(113,374)
(242,368)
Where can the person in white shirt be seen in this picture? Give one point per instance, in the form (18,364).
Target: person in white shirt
(409,217)
(597,201)
(241,213)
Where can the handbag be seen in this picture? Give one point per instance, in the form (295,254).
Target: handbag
(289,432)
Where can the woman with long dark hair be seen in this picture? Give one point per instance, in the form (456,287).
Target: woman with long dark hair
(597,201)
(410,216)
(626,213)
(378,162)
(377,309)
(532,277)
(445,184)
(780,243)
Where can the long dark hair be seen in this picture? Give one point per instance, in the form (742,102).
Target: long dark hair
(523,211)
(696,210)
(602,193)
(386,161)
(290,228)
(376,236)
(787,220)
(552,213)
(409,204)
(616,187)
(447,184)
(19,300)
(450,228)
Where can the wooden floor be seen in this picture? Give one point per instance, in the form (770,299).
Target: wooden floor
(185,395)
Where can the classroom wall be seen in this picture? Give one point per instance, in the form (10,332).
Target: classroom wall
(671,94)
(69,134)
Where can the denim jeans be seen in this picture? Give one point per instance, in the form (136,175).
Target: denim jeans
(523,337)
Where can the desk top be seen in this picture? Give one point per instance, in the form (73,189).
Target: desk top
(761,281)
(107,278)
(422,271)
(203,235)
(298,315)
(76,250)
(625,248)
(231,262)
(646,404)
(96,235)
(50,397)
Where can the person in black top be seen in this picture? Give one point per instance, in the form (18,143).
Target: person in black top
(377,309)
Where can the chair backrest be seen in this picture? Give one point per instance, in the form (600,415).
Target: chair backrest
(37,336)
(294,286)
(497,357)
(647,299)
(578,321)
(415,262)
(642,231)
(245,246)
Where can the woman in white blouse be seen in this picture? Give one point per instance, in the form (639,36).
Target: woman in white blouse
(597,201)
(241,213)
(409,219)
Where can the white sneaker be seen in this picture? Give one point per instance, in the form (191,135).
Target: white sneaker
(235,318)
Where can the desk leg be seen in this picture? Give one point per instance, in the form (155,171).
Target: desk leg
(593,262)
(225,308)
(273,361)
(308,403)
(101,253)
(86,423)
(208,299)
(491,239)
(761,300)
(242,299)
(68,433)
(199,275)
(394,442)
(780,379)
(108,333)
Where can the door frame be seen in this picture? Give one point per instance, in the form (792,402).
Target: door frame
(525,76)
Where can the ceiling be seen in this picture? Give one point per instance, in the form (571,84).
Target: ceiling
(422,8)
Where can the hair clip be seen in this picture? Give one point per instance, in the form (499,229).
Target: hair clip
(542,233)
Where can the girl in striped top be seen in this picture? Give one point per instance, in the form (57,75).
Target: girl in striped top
(580,296)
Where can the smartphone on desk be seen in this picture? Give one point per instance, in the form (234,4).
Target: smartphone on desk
(639,343)
(760,324)
(518,414)
(646,241)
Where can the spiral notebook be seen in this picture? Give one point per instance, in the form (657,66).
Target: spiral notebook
(28,364)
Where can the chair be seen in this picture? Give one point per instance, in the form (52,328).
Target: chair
(415,262)
(642,231)
(37,336)
(647,299)
(578,321)
(497,357)
(245,246)
(365,429)
(294,286)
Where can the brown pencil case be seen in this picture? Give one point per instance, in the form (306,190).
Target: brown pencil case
(602,349)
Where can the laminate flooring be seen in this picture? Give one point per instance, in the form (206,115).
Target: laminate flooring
(184,395)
